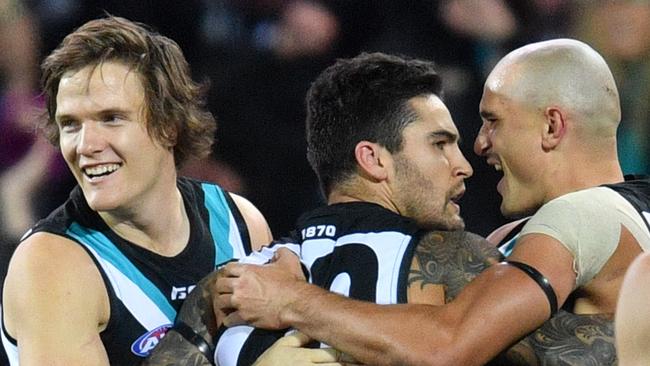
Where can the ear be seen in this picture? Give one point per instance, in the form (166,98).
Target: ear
(370,160)
(554,129)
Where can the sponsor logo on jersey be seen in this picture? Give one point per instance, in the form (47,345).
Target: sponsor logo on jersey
(180,293)
(143,345)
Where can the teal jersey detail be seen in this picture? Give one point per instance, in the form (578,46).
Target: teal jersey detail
(108,252)
(220,220)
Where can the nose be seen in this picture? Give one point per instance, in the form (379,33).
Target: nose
(482,142)
(90,139)
(463,167)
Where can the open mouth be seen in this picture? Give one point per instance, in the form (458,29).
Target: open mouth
(456,198)
(100,170)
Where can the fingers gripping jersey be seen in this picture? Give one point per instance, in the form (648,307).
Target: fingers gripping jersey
(146,290)
(360,250)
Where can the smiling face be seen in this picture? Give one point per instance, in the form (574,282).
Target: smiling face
(509,139)
(430,170)
(104,140)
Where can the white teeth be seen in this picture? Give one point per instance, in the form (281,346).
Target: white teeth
(101,169)
(497,167)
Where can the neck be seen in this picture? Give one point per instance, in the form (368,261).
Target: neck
(584,171)
(362,194)
(159,223)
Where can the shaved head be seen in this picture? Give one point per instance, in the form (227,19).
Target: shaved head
(563,73)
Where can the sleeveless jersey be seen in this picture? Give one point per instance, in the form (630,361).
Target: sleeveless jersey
(636,190)
(146,290)
(356,249)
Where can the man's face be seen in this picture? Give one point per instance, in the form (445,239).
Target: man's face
(510,140)
(104,139)
(430,170)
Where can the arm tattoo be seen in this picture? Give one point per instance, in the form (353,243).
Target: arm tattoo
(196,312)
(567,339)
(451,259)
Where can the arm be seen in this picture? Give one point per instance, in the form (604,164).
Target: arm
(453,259)
(633,314)
(55,303)
(499,306)
(258,228)
(445,262)
(564,340)
(197,313)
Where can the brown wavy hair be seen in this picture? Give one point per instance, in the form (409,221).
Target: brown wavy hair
(175,113)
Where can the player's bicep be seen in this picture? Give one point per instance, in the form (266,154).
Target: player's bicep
(487,316)
(55,303)
(551,259)
(446,261)
(258,228)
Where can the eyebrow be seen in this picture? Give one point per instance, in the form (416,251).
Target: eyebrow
(487,114)
(103,112)
(447,135)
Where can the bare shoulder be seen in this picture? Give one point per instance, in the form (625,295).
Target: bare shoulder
(450,259)
(257,225)
(52,280)
(47,265)
(49,258)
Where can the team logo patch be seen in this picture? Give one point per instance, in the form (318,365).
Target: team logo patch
(143,345)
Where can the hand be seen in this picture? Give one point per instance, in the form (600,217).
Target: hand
(257,295)
(289,350)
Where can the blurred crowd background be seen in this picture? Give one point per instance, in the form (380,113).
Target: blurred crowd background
(260,57)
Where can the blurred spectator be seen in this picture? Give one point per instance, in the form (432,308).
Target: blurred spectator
(25,160)
(261,56)
(259,101)
(621,31)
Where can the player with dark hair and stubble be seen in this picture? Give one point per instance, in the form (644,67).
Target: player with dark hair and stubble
(385,150)
(550,113)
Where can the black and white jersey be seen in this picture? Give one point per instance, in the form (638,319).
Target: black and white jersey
(356,249)
(637,191)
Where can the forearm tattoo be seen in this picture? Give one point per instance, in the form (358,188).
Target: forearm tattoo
(567,339)
(196,312)
(451,259)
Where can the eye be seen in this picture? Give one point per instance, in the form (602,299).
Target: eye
(112,118)
(440,144)
(68,125)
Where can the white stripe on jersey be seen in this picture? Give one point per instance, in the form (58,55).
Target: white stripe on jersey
(143,309)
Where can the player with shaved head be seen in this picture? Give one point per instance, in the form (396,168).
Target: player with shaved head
(550,112)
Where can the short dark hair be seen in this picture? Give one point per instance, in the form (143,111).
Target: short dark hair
(362,98)
(175,113)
